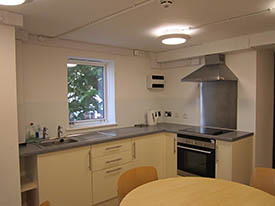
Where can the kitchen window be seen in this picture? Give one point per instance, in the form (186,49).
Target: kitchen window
(90,92)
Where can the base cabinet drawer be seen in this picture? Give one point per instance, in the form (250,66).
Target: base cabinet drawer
(109,161)
(105,182)
(111,148)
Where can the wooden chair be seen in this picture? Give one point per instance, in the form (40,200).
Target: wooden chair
(264,179)
(133,178)
(46,203)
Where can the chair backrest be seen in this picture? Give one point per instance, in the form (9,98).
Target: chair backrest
(133,178)
(46,203)
(264,179)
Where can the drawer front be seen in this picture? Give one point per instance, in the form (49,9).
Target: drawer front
(105,182)
(113,160)
(110,148)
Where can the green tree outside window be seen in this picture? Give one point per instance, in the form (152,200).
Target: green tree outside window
(86,92)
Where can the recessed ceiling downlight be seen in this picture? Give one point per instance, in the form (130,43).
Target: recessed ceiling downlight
(174,39)
(11,2)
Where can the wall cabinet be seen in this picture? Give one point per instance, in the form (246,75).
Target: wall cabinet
(64,177)
(234,160)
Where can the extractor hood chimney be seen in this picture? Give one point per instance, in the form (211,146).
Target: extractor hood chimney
(213,70)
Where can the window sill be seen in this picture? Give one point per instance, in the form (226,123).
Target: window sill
(77,128)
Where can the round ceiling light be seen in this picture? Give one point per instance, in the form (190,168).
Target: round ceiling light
(11,2)
(174,39)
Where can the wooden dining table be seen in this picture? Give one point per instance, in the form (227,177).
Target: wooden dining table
(196,191)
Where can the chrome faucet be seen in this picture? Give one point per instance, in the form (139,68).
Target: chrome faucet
(45,132)
(59,131)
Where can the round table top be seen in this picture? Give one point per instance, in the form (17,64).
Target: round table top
(196,191)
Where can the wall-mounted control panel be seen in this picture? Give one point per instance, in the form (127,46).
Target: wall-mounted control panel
(155,81)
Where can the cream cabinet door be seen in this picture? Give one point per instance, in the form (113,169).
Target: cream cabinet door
(234,160)
(64,177)
(171,155)
(224,160)
(149,150)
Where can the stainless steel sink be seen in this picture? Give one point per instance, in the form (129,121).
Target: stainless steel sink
(90,136)
(107,133)
(47,143)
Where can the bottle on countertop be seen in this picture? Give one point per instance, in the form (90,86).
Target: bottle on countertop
(38,131)
(31,132)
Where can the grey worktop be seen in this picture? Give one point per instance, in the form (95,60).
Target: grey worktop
(123,133)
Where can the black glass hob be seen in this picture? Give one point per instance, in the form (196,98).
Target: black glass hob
(203,130)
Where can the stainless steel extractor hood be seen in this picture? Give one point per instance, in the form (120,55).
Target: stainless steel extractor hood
(213,70)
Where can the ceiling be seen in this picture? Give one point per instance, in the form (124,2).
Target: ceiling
(136,28)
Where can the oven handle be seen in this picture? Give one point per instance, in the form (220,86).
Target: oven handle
(193,149)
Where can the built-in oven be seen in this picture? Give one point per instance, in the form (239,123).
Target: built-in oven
(196,156)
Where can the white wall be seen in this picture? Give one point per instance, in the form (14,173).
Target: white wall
(183,98)
(264,109)
(255,98)
(43,97)
(44,82)
(243,65)
(9,156)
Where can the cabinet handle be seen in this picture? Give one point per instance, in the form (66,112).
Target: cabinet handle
(217,159)
(175,145)
(134,153)
(114,147)
(90,166)
(115,160)
(196,150)
(114,170)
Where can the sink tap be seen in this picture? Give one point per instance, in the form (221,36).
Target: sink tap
(45,132)
(59,131)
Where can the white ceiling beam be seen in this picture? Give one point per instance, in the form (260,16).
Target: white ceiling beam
(69,44)
(222,46)
(12,19)
(260,40)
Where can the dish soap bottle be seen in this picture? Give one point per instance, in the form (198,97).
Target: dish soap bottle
(31,132)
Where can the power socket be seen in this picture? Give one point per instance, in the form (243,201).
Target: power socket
(168,114)
(185,116)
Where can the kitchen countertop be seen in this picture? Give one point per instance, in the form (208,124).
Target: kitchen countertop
(123,133)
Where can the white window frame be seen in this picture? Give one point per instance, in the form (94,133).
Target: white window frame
(109,119)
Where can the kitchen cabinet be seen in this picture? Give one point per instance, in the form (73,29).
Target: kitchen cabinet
(109,161)
(171,155)
(28,180)
(88,175)
(149,150)
(64,177)
(110,148)
(234,160)
(105,182)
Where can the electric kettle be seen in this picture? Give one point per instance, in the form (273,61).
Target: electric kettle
(152,117)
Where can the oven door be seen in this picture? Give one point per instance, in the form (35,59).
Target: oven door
(196,161)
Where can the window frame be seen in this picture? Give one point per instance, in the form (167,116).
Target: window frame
(90,122)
